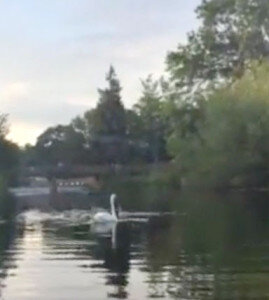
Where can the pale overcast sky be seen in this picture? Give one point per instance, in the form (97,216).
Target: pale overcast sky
(54,54)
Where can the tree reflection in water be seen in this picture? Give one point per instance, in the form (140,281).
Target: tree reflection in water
(7,252)
(218,249)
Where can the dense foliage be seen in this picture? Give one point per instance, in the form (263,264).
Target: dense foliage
(231,144)
(8,161)
(232,34)
(8,150)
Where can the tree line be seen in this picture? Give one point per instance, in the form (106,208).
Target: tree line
(109,133)
(208,117)
(9,159)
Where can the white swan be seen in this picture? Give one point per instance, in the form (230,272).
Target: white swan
(105,217)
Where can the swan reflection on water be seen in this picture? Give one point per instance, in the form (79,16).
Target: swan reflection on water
(105,230)
(112,253)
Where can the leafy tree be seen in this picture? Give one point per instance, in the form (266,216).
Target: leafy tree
(150,111)
(180,114)
(8,150)
(85,126)
(60,144)
(134,129)
(138,147)
(9,153)
(233,34)
(231,146)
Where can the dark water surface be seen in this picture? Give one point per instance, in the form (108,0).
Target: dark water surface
(214,248)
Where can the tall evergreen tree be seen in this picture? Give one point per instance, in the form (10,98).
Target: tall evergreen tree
(3,125)
(109,123)
(110,116)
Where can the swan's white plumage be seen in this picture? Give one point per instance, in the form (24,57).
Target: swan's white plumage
(105,217)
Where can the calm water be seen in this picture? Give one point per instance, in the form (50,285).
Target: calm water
(212,249)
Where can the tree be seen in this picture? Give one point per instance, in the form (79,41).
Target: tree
(3,125)
(9,157)
(110,113)
(8,150)
(230,146)
(60,144)
(233,34)
(28,156)
(108,125)
(150,111)
(85,126)
(138,147)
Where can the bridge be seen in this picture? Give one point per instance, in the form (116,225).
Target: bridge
(81,171)
(66,171)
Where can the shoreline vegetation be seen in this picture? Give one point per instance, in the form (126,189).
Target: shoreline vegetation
(9,159)
(206,121)
(226,146)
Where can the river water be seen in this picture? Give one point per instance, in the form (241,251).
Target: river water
(209,248)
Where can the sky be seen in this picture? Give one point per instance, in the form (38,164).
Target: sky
(54,54)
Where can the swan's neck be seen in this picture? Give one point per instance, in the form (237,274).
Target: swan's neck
(113,211)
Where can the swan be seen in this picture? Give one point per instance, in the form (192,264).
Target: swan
(105,217)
